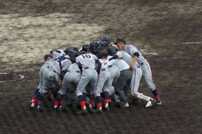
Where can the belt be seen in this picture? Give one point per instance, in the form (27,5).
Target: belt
(88,68)
(109,66)
(76,71)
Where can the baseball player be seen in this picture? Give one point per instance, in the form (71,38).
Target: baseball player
(136,77)
(89,75)
(146,70)
(104,82)
(69,82)
(52,77)
(54,54)
(124,79)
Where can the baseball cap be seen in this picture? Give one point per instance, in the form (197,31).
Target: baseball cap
(106,38)
(104,43)
(120,40)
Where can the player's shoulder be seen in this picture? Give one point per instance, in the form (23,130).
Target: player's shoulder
(129,46)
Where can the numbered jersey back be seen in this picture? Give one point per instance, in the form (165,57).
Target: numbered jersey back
(87,60)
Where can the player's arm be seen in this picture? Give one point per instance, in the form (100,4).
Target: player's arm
(98,65)
(135,58)
(118,55)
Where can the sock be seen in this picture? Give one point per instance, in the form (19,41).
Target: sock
(83,105)
(39,102)
(48,94)
(106,101)
(61,102)
(156,94)
(36,91)
(56,103)
(91,103)
(99,106)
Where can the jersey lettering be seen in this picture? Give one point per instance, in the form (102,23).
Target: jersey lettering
(85,56)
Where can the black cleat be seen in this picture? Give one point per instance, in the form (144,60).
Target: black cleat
(32,106)
(91,110)
(107,108)
(63,109)
(40,108)
(136,101)
(158,102)
(83,112)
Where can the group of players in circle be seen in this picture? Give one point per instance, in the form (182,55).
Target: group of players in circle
(91,76)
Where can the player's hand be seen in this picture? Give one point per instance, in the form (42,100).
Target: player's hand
(59,82)
(131,66)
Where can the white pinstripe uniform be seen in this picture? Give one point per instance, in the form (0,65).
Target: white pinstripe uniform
(146,73)
(89,74)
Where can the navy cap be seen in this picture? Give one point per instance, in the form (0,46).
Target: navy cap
(104,43)
(106,38)
(120,40)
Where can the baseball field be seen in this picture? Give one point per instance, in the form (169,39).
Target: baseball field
(167,32)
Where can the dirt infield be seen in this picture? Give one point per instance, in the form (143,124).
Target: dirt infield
(160,29)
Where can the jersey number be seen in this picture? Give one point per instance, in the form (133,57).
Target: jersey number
(86,56)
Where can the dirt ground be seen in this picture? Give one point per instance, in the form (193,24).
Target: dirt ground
(159,28)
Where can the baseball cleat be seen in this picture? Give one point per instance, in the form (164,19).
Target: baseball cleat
(150,103)
(63,109)
(91,110)
(32,106)
(40,108)
(82,112)
(56,105)
(136,101)
(98,110)
(126,105)
(107,106)
(159,102)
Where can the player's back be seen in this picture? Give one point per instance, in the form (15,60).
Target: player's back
(62,63)
(104,63)
(86,60)
(120,63)
(130,49)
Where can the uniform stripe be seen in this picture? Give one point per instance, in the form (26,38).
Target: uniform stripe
(134,81)
(150,75)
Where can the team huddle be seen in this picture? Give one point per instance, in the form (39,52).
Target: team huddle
(90,77)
